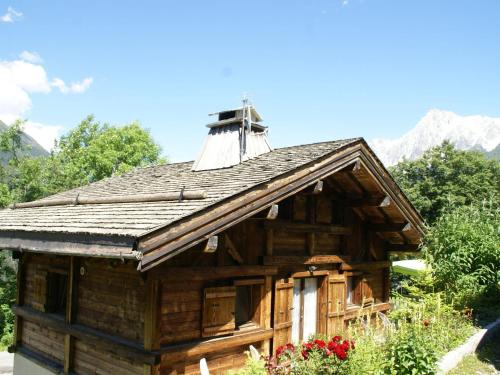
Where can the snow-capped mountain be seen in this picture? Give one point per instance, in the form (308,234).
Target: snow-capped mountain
(466,132)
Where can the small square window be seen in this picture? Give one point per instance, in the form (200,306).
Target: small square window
(57,285)
(246,308)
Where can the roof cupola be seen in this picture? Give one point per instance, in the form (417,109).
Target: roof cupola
(236,136)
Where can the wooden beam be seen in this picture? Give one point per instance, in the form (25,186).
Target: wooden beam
(122,347)
(151,321)
(370,202)
(71,301)
(352,168)
(366,265)
(318,188)
(311,218)
(408,247)
(304,227)
(279,260)
(199,348)
(231,249)
(212,273)
(211,245)
(361,311)
(21,286)
(390,227)
(273,212)
(266,310)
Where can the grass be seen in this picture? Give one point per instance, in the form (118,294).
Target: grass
(485,362)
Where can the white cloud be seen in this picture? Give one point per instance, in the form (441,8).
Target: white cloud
(345,2)
(11,16)
(19,80)
(31,57)
(44,134)
(74,87)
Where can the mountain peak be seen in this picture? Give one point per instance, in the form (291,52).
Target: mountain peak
(466,132)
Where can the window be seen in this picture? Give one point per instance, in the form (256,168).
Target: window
(359,291)
(353,285)
(350,291)
(227,309)
(57,284)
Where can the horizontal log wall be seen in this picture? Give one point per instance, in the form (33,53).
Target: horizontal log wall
(44,341)
(218,363)
(111,298)
(91,360)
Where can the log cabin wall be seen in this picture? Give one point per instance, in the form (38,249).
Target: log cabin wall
(33,336)
(108,298)
(301,230)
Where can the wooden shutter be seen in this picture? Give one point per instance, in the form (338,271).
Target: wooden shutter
(336,303)
(39,299)
(283,303)
(367,292)
(218,311)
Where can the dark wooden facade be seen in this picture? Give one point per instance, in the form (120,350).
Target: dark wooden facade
(232,288)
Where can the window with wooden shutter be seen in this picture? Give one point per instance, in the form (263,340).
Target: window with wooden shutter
(283,304)
(219,311)
(336,303)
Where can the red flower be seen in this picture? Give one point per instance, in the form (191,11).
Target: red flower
(290,347)
(280,351)
(308,346)
(340,353)
(345,345)
(332,345)
(305,354)
(337,338)
(426,322)
(328,352)
(320,344)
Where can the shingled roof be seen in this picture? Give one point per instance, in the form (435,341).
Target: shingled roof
(136,219)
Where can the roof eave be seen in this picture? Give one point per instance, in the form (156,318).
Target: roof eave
(165,242)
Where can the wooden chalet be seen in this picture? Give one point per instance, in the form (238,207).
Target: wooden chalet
(147,272)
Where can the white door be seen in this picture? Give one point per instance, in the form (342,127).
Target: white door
(305,303)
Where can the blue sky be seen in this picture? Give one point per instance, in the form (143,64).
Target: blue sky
(316,70)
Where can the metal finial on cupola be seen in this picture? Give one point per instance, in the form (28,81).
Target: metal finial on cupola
(236,136)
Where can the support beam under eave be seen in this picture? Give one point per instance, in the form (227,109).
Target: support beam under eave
(390,227)
(370,202)
(273,212)
(211,245)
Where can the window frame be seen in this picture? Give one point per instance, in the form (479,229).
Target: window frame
(257,292)
(56,302)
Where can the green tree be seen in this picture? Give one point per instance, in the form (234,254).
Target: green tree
(11,142)
(88,153)
(93,151)
(445,175)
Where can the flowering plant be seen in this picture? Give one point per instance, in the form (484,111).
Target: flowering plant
(315,356)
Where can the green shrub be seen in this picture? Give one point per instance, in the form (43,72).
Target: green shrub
(408,352)
(463,248)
